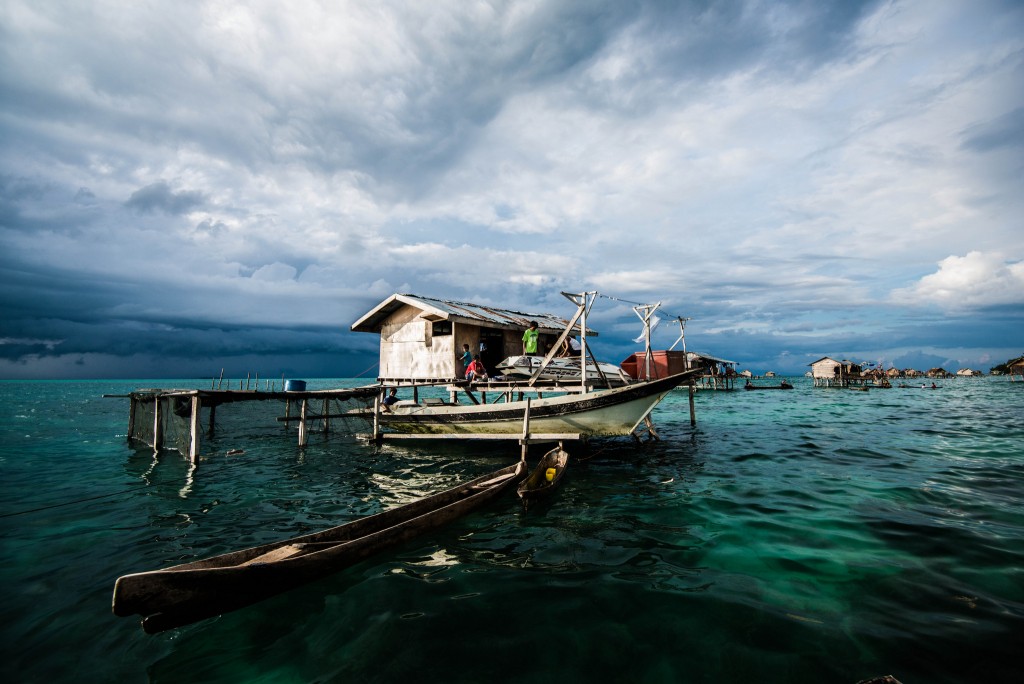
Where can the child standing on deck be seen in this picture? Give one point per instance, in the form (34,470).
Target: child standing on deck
(530,339)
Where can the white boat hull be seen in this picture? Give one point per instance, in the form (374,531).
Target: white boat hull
(609,412)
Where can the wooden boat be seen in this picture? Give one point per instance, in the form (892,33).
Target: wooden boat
(783,385)
(537,483)
(606,412)
(194,591)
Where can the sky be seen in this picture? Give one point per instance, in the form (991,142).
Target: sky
(193,186)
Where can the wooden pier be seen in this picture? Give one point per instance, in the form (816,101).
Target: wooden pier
(172,417)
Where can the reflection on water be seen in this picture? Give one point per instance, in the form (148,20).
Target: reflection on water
(799,536)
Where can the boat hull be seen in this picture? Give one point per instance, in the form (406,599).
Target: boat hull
(609,412)
(194,591)
(536,484)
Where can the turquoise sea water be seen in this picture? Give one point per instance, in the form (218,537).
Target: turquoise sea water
(813,535)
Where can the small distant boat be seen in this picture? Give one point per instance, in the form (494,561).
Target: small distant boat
(546,476)
(184,594)
(782,385)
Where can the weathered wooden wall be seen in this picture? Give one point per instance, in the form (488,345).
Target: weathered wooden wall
(408,349)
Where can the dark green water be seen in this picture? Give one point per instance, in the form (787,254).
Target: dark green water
(810,535)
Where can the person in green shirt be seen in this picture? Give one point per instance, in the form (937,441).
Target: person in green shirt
(530,339)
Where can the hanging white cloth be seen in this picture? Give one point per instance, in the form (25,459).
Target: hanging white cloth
(654,324)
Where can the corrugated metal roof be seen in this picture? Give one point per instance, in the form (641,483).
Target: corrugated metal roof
(446,309)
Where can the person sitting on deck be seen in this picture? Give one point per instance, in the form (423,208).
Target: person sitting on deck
(571,347)
(530,339)
(476,371)
(390,400)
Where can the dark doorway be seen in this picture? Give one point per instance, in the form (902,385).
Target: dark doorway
(493,352)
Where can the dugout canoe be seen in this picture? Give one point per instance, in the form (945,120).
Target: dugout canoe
(183,594)
(784,386)
(537,484)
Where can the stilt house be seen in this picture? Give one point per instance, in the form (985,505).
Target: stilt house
(421,338)
(1015,368)
(827,372)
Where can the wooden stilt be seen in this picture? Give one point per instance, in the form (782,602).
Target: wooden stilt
(693,411)
(303,437)
(287,412)
(376,419)
(131,418)
(213,420)
(650,428)
(193,444)
(157,432)
(327,416)
(525,441)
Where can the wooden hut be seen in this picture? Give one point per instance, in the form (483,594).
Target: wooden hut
(421,338)
(937,373)
(1015,369)
(828,372)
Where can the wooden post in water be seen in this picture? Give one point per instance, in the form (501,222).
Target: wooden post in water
(327,416)
(693,412)
(131,417)
(157,435)
(193,441)
(376,419)
(525,441)
(287,412)
(303,438)
(213,419)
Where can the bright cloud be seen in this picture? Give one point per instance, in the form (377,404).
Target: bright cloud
(975,280)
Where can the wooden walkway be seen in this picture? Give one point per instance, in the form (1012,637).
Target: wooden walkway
(152,411)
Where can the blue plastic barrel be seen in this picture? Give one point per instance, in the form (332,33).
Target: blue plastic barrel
(294,385)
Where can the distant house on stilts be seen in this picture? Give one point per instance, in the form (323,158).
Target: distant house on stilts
(828,372)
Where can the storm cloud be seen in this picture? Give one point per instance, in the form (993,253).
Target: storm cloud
(191,186)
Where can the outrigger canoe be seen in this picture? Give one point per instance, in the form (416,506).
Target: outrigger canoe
(183,594)
(784,385)
(538,483)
